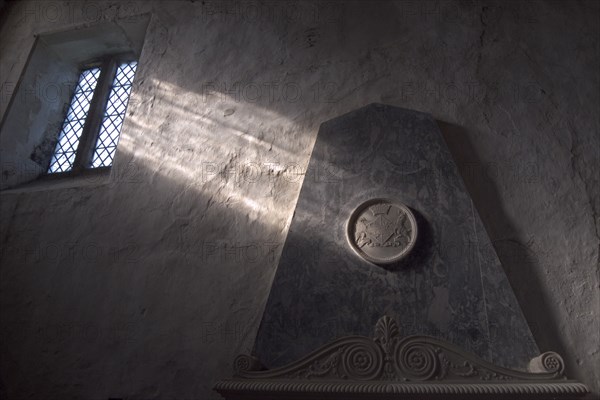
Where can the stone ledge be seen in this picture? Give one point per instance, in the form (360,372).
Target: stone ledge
(289,389)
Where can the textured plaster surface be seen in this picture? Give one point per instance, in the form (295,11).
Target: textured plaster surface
(148,283)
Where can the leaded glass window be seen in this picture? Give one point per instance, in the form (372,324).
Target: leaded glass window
(90,132)
(72,128)
(106,145)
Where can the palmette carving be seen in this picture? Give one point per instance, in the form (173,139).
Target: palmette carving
(389,357)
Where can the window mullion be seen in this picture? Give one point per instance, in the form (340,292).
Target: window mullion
(95,116)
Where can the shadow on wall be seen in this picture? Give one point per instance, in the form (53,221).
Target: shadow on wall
(153,244)
(517,260)
(179,123)
(203,221)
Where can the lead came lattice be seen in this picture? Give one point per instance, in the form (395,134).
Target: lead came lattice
(68,139)
(108,138)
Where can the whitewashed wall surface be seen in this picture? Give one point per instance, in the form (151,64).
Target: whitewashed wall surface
(146,283)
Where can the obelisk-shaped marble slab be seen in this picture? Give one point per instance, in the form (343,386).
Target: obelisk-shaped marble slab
(450,286)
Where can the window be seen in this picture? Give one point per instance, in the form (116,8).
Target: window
(70,134)
(92,126)
(64,113)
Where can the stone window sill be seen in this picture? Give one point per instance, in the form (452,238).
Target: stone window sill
(66,180)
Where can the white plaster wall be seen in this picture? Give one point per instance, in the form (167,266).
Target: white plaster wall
(37,113)
(146,285)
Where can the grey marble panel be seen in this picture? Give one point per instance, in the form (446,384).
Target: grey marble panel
(451,286)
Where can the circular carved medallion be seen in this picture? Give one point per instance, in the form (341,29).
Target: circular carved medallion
(382,231)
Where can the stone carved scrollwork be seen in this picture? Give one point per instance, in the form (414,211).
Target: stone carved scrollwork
(362,360)
(409,359)
(389,363)
(416,361)
(547,362)
(245,362)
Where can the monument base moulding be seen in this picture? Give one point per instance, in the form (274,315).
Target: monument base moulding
(389,366)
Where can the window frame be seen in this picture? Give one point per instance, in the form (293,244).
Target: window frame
(82,165)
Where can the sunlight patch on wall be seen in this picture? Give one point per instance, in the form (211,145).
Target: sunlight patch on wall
(226,150)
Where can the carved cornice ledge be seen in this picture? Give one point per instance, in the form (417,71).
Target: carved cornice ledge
(392,367)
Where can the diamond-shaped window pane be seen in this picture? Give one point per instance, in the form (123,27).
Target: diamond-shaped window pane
(68,138)
(88,80)
(108,137)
